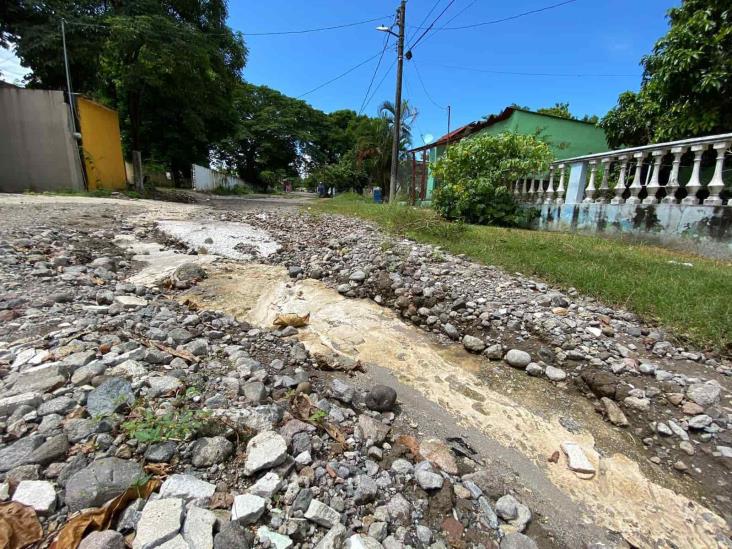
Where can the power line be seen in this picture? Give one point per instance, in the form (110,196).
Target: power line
(424,19)
(511,17)
(373,76)
(376,89)
(517,73)
(339,76)
(458,14)
(414,44)
(419,76)
(271,33)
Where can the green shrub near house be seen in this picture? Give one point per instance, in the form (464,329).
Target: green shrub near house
(476,176)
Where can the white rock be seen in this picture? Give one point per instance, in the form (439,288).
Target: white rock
(473,344)
(594,331)
(160,522)
(247,508)
(187,487)
(130,301)
(577,460)
(198,528)
(266,450)
(278,540)
(266,486)
(38,494)
(357,541)
(555,374)
(704,394)
(321,514)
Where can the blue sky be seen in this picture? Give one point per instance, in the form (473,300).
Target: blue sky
(584,37)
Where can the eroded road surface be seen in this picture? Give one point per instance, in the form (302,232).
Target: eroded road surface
(505,371)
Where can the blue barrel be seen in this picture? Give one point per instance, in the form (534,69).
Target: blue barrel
(377,195)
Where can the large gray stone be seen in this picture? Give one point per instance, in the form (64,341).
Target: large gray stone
(320,513)
(19,452)
(372,429)
(101,481)
(53,449)
(110,397)
(209,451)
(517,358)
(198,528)
(232,534)
(106,539)
(704,394)
(160,522)
(266,450)
(9,404)
(381,398)
(333,539)
(366,490)
(473,344)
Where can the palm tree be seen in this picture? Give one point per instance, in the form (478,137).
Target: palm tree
(387,111)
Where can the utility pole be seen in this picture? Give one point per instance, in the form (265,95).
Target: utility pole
(68,77)
(398,103)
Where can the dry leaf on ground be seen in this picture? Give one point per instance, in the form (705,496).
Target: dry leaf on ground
(19,526)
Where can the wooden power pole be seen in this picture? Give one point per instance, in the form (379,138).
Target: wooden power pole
(398,103)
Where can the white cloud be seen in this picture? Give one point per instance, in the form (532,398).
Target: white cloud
(10,68)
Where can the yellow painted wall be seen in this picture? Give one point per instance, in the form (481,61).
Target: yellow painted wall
(102,146)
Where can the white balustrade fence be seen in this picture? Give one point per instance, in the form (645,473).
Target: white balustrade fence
(639,175)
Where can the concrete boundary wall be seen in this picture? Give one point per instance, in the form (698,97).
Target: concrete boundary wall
(705,230)
(206,179)
(38,151)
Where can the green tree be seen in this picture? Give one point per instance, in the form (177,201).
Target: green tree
(686,89)
(475,176)
(170,68)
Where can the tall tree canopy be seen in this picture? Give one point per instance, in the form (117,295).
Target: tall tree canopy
(170,68)
(686,89)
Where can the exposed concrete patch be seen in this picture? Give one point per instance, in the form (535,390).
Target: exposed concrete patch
(223,238)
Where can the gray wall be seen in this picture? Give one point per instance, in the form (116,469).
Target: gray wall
(206,179)
(37,148)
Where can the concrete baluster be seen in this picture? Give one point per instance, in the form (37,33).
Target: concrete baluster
(604,187)
(636,187)
(620,186)
(539,190)
(560,187)
(673,179)
(550,187)
(525,189)
(716,185)
(694,184)
(590,190)
(654,187)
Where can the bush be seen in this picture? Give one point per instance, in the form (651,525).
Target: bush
(476,174)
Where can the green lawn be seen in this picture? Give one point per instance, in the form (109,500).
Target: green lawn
(651,281)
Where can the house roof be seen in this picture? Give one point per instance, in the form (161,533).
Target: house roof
(472,127)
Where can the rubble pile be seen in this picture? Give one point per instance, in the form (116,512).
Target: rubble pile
(180,428)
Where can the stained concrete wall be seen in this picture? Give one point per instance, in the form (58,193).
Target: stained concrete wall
(37,147)
(705,230)
(206,179)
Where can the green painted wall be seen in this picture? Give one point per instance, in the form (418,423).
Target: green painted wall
(567,138)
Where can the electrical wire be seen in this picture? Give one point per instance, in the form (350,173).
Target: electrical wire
(511,17)
(376,70)
(316,88)
(421,36)
(419,77)
(424,20)
(272,33)
(517,73)
(376,89)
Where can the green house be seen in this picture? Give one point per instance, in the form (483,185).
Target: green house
(567,138)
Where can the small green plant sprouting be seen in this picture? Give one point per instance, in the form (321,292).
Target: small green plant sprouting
(192,391)
(318,416)
(174,425)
